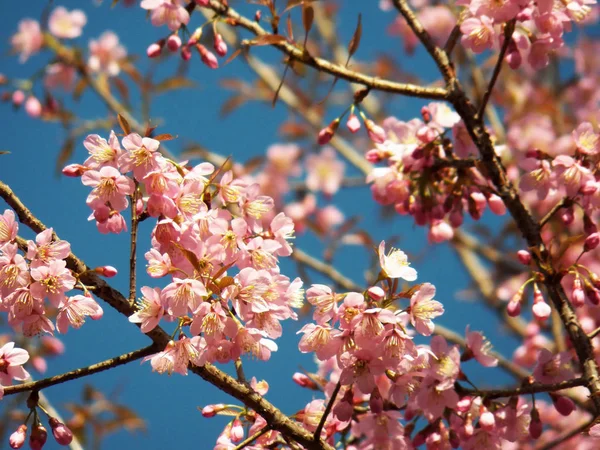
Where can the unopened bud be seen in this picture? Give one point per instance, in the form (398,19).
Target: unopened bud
(305,381)
(257,16)
(38,437)
(535,426)
(106,271)
(591,242)
(376,293)
(186,53)
(577,295)
(374,156)
(376,133)
(74,170)
(154,49)
(353,123)
(237,430)
(202,2)
(487,421)
(207,57)
(18,97)
(327,133)
(219,45)
(376,402)
(173,42)
(17,439)
(212,410)
(563,405)
(524,257)
(33,107)
(60,431)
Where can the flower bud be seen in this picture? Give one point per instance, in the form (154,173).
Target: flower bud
(496,205)
(374,156)
(487,421)
(33,107)
(376,133)
(38,437)
(353,124)
(257,16)
(60,431)
(376,402)
(567,216)
(39,364)
(74,170)
(202,2)
(327,133)
(219,45)
(237,430)
(563,405)
(154,50)
(207,57)
(305,381)
(514,305)
(524,257)
(18,97)
(106,271)
(376,293)
(17,439)
(173,42)
(541,310)
(591,242)
(578,295)
(186,53)
(212,410)
(535,426)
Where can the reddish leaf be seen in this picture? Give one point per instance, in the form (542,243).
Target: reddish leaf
(233,56)
(124,124)
(355,41)
(79,88)
(164,137)
(308,15)
(173,83)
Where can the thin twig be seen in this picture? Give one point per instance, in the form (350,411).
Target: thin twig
(509,28)
(532,388)
(328,408)
(250,439)
(133,246)
(81,372)
(561,440)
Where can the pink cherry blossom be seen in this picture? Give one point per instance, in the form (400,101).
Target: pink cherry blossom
(478,33)
(11,364)
(102,153)
(150,309)
(66,25)
(74,310)
(28,40)
(9,227)
(321,339)
(170,12)
(183,295)
(481,348)
(110,186)
(106,54)
(395,264)
(52,281)
(553,368)
(142,156)
(60,75)
(325,171)
(45,249)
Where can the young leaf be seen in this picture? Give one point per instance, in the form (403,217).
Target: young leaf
(165,137)
(308,15)
(355,41)
(124,124)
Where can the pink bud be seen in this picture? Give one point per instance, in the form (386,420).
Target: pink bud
(426,114)
(327,133)
(18,97)
(456,218)
(202,2)
(74,170)
(33,107)
(524,257)
(578,295)
(237,430)
(39,364)
(534,153)
(304,380)
(106,271)
(563,405)
(60,431)
(593,296)
(186,53)
(38,437)
(207,57)
(52,345)
(464,404)
(591,242)
(173,42)
(374,156)
(513,308)
(487,421)
(139,206)
(17,439)
(541,310)
(219,45)
(496,205)
(353,124)
(257,16)
(535,426)
(343,410)
(154,50)
(212,410)
(376,293)
(567,216)
(376,133)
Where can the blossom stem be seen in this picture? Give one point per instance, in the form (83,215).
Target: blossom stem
(82,372)
(133,246)
(328,408)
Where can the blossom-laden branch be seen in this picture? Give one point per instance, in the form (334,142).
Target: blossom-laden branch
(241,391)
(532,388)
(302,55)
(82,371)
(529,228)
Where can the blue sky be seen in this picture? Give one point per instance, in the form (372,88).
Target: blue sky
(169,404)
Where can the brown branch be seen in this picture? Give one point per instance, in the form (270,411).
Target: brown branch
(509,28)
(82,371)
(561,440)
(250,439)
(529,228)
(274,417)
(301,55)
(532,388)
(133,245)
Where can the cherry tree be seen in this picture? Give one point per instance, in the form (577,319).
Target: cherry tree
(496,157)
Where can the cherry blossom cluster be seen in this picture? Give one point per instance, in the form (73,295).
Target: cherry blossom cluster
(539,26)
(105,57)
(36,283)
(217,241)
(426,175)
